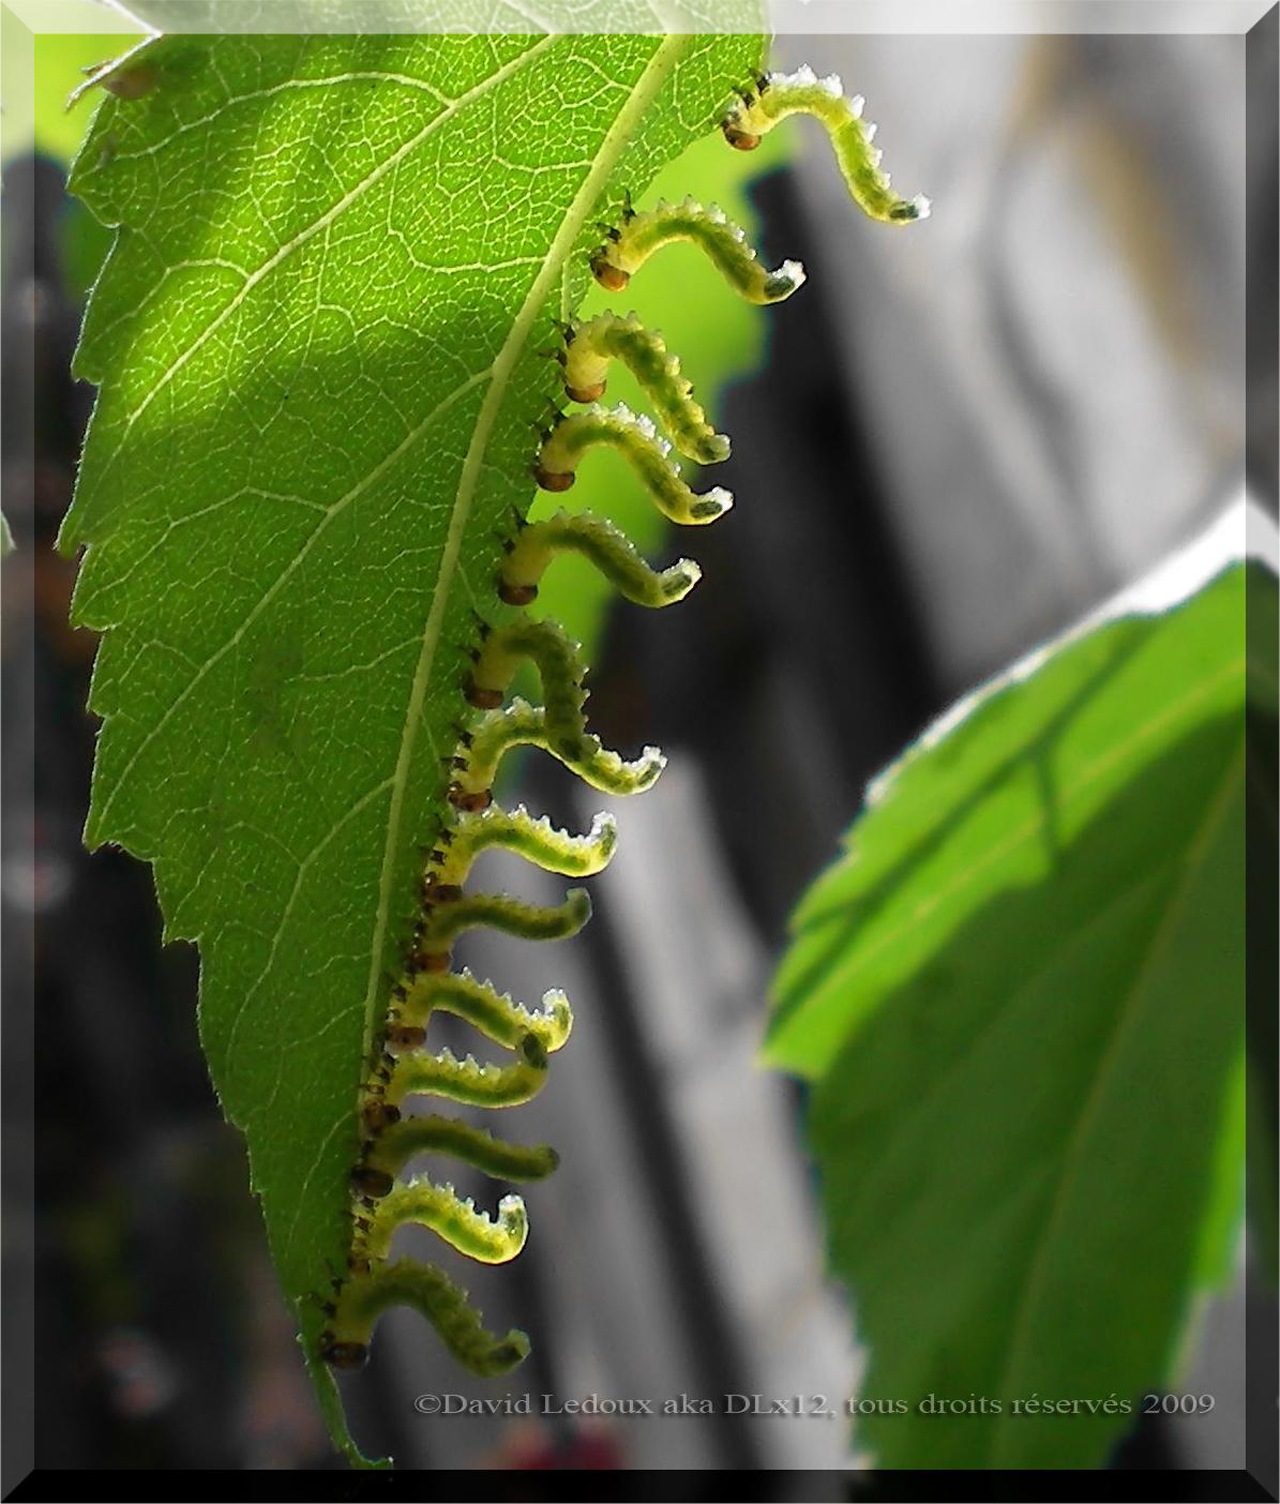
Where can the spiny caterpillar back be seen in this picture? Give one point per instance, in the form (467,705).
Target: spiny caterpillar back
(402,1066)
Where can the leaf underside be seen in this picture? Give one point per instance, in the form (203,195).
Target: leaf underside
(317,343)
(1020,996)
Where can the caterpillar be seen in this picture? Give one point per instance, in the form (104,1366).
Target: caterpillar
(778,95)
(594,344)
(636,439)
(401,1066)
(627,247)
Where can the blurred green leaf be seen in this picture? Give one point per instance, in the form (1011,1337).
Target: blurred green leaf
(1020,995)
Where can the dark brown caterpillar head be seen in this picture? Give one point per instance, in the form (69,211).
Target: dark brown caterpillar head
(430,960)
(379,1115)
(370,1182)
(516,595)
(438,892)
(482,698)
(471,801)
(346,1356)
(406,1036)
(738,138)
(611,278)
(553,480)
(586,393)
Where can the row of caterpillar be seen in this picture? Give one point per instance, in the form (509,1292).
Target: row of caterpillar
(402,1066)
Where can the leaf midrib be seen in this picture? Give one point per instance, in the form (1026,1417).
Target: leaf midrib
(654,76)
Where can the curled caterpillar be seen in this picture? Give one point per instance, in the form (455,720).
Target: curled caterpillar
(804,93)
(636,439)
(629,246)
(607,337)
(402,1064)
(609,549)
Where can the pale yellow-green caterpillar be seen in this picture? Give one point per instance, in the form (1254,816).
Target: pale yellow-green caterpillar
(591,346)
(636,439)
(804,93)
(345,1342)
(609,549)
(629,246)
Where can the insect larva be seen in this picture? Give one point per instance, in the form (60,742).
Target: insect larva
(474,1146)
(537,840)
(430,1291)
(444,1075)
(803,93)
(640,235)
(606,546)
(608,337)
(495,1014)
(454,1218)
(526,921)
(636,440)
(559,665)
(522,724)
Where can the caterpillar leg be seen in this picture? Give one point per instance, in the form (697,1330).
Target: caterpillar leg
(606,546)
(429,1290)
(803,93)
(636,440)
(640,235)
(608,337)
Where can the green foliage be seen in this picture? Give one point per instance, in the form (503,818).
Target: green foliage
(317,341)
(1019,994)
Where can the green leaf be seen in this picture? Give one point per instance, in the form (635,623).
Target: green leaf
(317,338)
(1020,993)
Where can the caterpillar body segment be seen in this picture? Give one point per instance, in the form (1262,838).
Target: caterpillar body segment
(526,921)
(433,1134)
(804,93)
(429,1290)
(605,546)
(496,1015)
(636,439)
(643,351)
(444,1075)
(455,1218)
(522,724)
(560,666)
(535,839)
(628,247)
